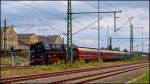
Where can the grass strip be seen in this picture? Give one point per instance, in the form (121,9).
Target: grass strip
(58,67)
(142,79)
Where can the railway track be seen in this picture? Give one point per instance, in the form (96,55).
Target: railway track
(91,74)
(18,67)
(93,77)
(4,65)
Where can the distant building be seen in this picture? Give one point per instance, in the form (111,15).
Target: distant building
(28,39)
(52,39)
(22,45)
(24,40)
(55,39)
(43,39)
(8,38)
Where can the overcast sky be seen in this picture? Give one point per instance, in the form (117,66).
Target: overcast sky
(49,18)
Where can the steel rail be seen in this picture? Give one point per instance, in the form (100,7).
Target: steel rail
(116,73)
(16,67)
(65,80)
(35,76)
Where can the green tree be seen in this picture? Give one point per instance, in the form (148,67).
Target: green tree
(116,49)
(125,50)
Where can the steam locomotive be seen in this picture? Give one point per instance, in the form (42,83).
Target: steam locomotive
(46,53)
(52,53)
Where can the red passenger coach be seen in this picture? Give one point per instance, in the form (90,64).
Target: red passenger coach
(87,54)
(94,54)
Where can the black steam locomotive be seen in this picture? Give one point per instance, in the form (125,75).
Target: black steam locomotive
(46,53)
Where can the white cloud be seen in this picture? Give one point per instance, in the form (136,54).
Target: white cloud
(87,42)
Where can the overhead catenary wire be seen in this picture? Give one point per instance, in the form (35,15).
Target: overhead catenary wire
(95,7)
(47,11)
(42,10)
(38,9)
(112,6)
(85,27)
(35,8)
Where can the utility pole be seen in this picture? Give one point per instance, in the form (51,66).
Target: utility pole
(131,36)
(131,39)
(115,17)
(98,21)
(0,39)
(69,32)
(141,38)
(5,36)
(108,35)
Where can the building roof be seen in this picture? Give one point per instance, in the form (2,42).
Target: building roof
(43,39)
(20,36)
(52,38)
(21,43)
(48,39)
